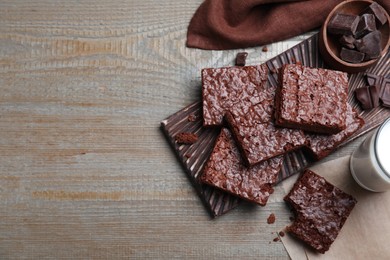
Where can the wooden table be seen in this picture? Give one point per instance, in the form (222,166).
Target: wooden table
(85,172)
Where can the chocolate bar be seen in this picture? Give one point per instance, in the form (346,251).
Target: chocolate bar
(382,84)
(345,24)
(321,210)
(368,97)
(385,92)
(347,41)
(225,170)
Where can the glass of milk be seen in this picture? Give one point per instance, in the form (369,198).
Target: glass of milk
(370,162)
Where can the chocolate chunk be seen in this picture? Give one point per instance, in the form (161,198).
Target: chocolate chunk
(370,45)
(241,58)
(347,41)
(186,138)
(321,210)
(271,218)
(345,24)
(378,12)
(351,56)
(366,25)
(368,97)
(373,79)
(225,170)
(385,92)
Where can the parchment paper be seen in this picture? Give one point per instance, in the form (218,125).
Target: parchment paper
(365,234)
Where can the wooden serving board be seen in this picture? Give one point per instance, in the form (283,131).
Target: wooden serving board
(189,119)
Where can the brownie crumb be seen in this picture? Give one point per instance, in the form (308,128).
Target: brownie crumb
(271,218)
(186,138)
(281,233)
(265,49)
(276,239)
(192,118)
(241,58)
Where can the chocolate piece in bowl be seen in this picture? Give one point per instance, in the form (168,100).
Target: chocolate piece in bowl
(320,208)
(320,146)
(225,170)
(311,99)
(378,12)
(347,41)
(344,24)
(351,56)
(370,45)
(223,88)
(366,25)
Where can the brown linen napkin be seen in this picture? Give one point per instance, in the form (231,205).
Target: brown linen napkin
(366,232)
(232,24)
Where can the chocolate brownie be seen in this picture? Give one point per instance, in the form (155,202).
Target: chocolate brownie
(320,208)
(223,88)
(261,141)
(226,171)
(320,146)
(311,99)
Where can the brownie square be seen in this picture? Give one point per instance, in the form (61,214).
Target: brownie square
(261,141)
(320,146)
(320,208)
(224,88)
(225,170)
(311,99)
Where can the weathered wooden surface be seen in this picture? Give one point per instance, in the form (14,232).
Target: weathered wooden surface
(85,171)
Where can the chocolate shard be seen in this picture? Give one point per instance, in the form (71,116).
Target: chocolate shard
(370,45)
(378,12)
(385,92)
(241,58)
(351,56)
(347,41)
(366,25)
(368,97)
(373,79)
(345,24)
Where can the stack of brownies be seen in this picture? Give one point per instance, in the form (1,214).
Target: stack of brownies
(261,123)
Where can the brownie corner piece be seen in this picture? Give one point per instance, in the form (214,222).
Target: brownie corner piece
(225,170)
(320,208)
(311,99)
(319,146)
(224,87)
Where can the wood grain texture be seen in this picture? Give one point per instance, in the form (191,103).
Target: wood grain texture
(85,172)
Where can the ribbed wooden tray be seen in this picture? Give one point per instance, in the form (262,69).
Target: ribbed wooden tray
(189,119)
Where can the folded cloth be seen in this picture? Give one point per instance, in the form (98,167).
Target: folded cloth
(232,24)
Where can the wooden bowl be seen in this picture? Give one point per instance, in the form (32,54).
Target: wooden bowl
(329,46)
